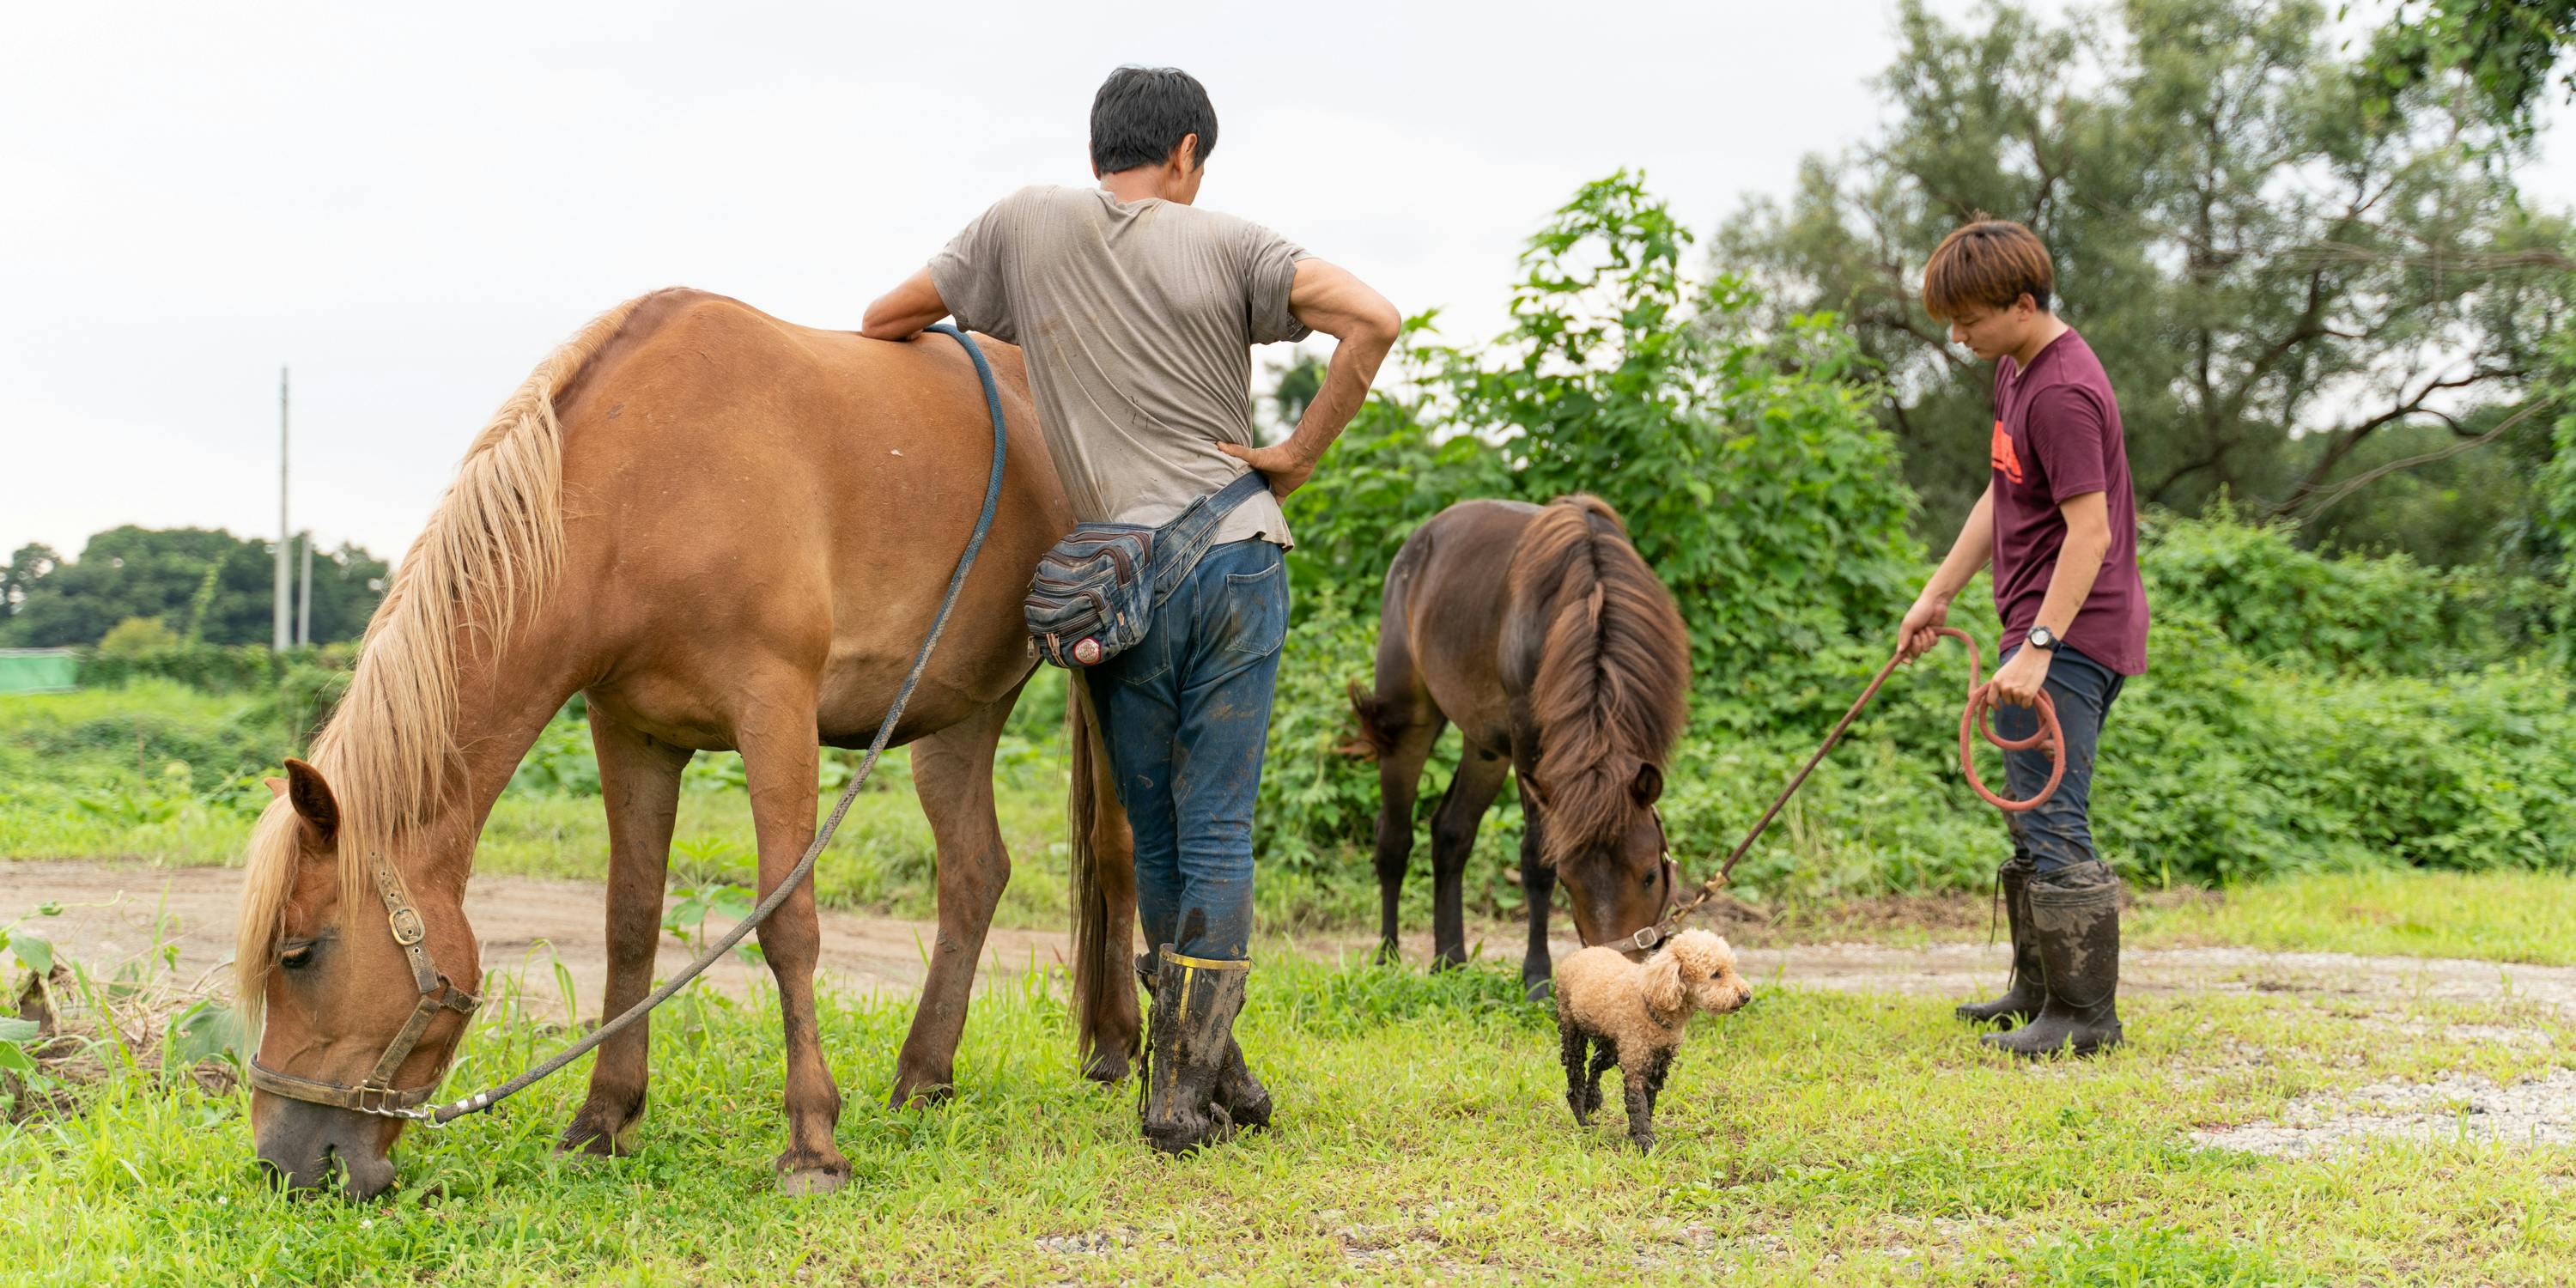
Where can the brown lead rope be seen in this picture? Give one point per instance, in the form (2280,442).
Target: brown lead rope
(1980,699)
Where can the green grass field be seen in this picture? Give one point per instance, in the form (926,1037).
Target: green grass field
(1814,1136)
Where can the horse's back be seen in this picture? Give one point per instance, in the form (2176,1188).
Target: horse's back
(1446,610)
(744,493)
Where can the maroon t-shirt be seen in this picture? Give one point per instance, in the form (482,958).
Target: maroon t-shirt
(2057,437)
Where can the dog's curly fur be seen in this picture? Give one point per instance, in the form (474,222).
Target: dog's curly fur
(1610,1010)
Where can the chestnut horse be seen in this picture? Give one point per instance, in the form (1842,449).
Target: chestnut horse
(729,533)
(1539,633)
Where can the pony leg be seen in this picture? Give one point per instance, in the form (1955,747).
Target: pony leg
(639,780)
(1453,838)
(952,773)
(1538,887)
(779,759)
(1399,781)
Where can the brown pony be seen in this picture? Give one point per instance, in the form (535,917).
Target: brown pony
(729,532)
(1549,643)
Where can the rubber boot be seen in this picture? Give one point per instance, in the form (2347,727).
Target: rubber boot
(1244,1099)
(2075,916)
(2022,998)
(1189,1048)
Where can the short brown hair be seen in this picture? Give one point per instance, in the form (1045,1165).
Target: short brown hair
(1991,262)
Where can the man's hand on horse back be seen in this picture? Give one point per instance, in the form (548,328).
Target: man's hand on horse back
(1329,299)
(901,313)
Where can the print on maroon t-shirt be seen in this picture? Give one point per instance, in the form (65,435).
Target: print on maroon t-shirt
(2057,436)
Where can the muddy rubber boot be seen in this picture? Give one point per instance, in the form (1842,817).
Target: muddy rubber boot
(1187,1049)
(2075,915)
(2022,999)
(1238,1090)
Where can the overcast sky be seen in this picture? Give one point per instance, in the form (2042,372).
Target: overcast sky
(411,205)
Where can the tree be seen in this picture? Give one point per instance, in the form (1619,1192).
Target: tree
(2274,281)
(201,583)
(2505,50)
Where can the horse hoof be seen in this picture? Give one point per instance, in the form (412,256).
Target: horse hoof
(1538,990)
(928,1095)
(813,1182)
(1106,1071)
(581,1142)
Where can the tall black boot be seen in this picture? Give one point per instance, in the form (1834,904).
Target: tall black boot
(2075,915)
(2022,998)
(1238,1092)
(1191,1053)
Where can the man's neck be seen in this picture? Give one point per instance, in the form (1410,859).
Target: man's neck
(1144,183)
(2043,330)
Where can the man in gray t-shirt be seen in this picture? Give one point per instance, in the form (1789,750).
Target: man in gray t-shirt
(1138,312)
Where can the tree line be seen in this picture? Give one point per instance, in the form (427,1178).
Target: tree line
(176,585)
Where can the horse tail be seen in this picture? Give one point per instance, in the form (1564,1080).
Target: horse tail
(1373,740)
(1099,957)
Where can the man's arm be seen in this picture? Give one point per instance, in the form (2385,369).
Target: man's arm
(2079,561)
(1332,301)
(1975,545)
(901,313)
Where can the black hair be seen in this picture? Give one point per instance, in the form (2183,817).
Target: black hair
(1142,113)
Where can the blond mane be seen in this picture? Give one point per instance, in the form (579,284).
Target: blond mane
(489,554)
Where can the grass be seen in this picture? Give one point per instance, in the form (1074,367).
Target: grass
(2494,916)
(1814,1137)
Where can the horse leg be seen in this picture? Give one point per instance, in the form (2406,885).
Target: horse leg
(1453,837)
(639,781)
(779,759)
(1399,780)
(952,772)
(1538,886)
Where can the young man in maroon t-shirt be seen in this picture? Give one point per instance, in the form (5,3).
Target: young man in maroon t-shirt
(2060,526)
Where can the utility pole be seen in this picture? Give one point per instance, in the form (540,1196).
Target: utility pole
(285,541)
(304,597)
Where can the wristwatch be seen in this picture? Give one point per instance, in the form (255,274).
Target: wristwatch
(2043,639)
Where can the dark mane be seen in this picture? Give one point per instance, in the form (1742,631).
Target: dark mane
(1614,671)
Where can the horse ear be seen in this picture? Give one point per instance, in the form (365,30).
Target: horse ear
(312,798)
(1648,786)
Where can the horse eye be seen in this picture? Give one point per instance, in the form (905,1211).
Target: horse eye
(296,955)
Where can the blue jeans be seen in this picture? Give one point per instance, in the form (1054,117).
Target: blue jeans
(1186,716)
(2059,834)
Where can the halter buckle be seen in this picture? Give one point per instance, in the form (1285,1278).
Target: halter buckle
(407,926)
(1646,939)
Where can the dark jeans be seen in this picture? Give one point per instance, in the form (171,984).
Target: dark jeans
(2059,834)
(1186,716)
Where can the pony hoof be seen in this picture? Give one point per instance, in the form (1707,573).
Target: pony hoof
(928,1095)
(1106,1071)
(1540,990)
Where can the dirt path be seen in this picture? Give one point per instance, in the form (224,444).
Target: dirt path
(126,911)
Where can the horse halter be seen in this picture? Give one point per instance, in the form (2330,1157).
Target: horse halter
(377,1095)
(1655,934)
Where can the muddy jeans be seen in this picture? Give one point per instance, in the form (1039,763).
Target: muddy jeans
(2059,834)
(1186,716)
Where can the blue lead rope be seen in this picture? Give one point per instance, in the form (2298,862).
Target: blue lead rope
(441,1115)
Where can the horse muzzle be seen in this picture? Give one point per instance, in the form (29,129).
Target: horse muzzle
(309,1148)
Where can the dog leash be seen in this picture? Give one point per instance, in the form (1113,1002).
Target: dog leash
(1981,700)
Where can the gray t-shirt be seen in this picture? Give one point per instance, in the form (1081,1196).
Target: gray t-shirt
(1138,321)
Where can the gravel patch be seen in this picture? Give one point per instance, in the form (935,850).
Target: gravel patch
(2451,1109)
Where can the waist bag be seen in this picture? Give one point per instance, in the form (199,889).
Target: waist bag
(1095,593)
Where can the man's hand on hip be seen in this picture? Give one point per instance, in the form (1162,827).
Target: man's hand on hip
(1286,467)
